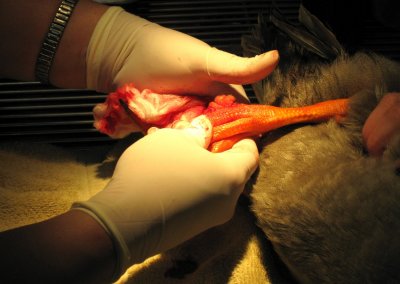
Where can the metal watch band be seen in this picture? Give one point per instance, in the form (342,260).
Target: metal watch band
(52,40)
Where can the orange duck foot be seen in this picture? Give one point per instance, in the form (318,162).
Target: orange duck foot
(128,110)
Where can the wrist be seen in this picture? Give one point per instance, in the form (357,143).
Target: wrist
(69,65)
(122,255)
(25,24)
(70,248)
(134,227)
(89,243)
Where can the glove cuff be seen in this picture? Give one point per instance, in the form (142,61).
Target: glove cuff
(123,255)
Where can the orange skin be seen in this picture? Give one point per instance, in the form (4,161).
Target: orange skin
(232,121)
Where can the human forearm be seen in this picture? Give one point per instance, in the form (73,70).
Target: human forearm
(70,248)
(23,26)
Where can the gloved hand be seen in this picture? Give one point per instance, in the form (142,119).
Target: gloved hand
(128,49)
(167,188)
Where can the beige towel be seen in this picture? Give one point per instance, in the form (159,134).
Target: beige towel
(41,181)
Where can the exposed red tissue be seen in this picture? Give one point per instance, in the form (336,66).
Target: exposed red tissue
(148,109)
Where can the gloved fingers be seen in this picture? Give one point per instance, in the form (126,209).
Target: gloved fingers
(199,130)
(218,88)
(152,130)
(231,69)
(243,157)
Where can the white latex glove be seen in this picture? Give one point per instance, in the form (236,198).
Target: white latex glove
(128,49)
(167,188)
